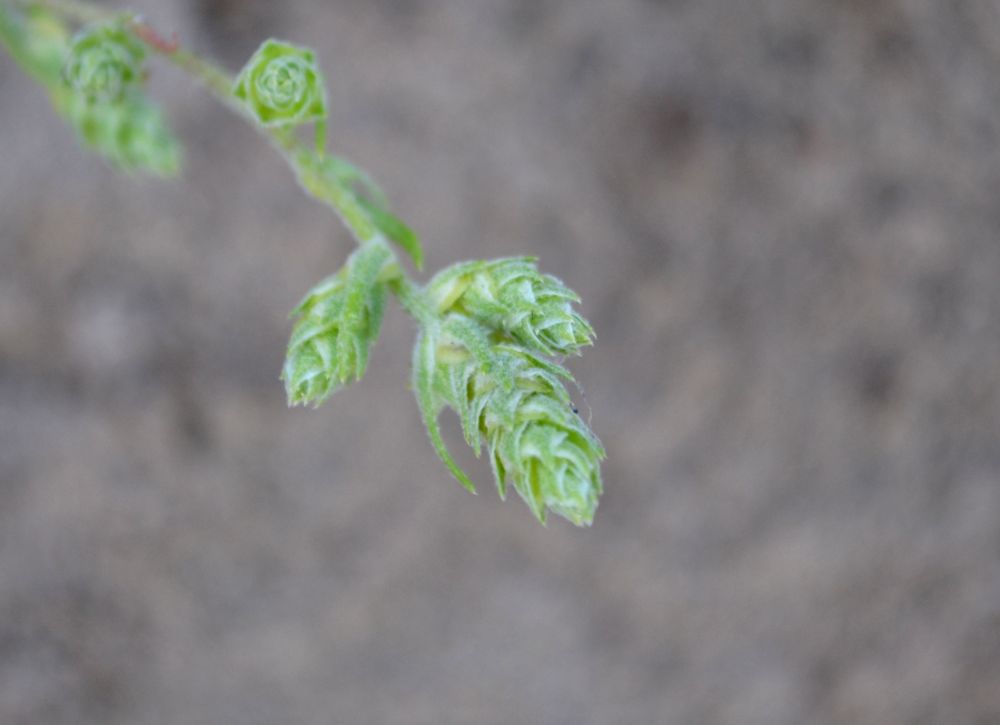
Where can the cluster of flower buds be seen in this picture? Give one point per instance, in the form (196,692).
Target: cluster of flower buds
(485,360)
(338,323)
(95,81)
(104,72)
(489,330)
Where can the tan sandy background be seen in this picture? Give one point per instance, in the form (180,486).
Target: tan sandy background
(784,219)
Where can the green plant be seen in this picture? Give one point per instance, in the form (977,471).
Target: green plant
(488,330)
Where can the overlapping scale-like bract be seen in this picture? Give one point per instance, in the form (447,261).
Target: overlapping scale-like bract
(512,295)
(339,321)
(516,402)
(281,85)
(131,133)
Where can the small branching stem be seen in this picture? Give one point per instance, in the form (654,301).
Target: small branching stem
(80,12)
(488,330)
(220,83)
(413,298)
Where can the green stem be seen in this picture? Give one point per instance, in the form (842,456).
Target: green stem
(321,137)
(11,39)
(212,77)
(79,11)
(413,299)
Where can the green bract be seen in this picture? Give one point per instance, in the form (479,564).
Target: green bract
(104,61)
(338,323)
(282,86)
(131,133)
(512,295)
(517,402)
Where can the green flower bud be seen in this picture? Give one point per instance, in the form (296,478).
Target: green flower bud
(281,85)
(512,295)
(104,61)
(517,402)
(553,459)
(339,321)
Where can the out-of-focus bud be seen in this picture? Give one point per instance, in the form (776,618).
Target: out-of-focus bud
(104,62)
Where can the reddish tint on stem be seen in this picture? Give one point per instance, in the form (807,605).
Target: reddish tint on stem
(154,39)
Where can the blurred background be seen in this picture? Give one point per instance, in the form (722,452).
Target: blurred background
(783,219)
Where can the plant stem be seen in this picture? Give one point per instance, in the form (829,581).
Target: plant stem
(72,9)
(11,40)
(413,299)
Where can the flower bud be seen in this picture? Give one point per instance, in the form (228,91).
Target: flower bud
(104,61)
(282,86)
(553,460)
(339,321)
(513,296)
